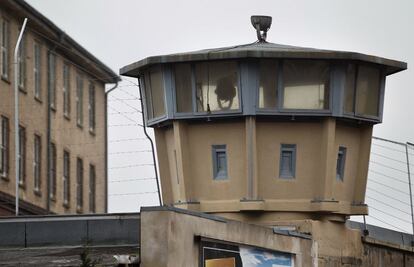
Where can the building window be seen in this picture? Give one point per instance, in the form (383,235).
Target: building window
(5,49)
(66,178)
(37,68)
(154,93)
(66,90)
(268,79)
(217,86)
(91,107)
(79,184)
(37,158)
(79,100)
(52,79)
(53,162)
(183,87)
(92,188)
(22,155)
(340,163)
(21,64)
(4,147)
(287,161)
(367,90)
(350,89)
(306,84)
(220,162)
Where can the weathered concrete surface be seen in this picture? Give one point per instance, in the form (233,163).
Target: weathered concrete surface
(59,231)
(62,256)
(168,238)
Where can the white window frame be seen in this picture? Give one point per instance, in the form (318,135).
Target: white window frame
(37,160)
(37,70)
(92,108)
(5,47)
(92,188)
(79,100)
(79,184)
(66,178)
(4,146)
(66,90)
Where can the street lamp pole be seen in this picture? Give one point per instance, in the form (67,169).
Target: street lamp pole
(16,114)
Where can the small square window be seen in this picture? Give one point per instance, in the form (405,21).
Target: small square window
(340,163)
(287,161)
(220,162)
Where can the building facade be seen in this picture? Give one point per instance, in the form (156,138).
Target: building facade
(62,122)
(268,134)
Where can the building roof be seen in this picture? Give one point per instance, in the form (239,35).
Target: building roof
(64,43)
(262,50)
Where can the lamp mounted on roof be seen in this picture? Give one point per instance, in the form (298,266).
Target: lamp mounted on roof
(262,25)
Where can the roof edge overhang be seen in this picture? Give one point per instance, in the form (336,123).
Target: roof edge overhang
(135,69)
(71,48)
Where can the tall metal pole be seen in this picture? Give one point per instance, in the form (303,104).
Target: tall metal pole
(16,114)
(409,184)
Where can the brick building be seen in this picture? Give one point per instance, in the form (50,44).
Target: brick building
(62,122)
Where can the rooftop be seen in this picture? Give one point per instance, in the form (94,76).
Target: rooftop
(262,50)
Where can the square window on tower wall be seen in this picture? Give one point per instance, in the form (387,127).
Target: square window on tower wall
(340,163)
(287,161)
(306,84)
(220,162)
(217,86)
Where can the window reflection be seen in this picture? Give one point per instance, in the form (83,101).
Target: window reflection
(216,86)
(350,88)
(268,73)
(306,84)
(154,93)
(182,75)
(368,86)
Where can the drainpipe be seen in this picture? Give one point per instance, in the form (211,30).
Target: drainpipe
(106,144)
(151,142)
(16,115)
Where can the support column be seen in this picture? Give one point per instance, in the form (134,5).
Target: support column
(182,160)
(328,158)
(164,166)
(363,163)
(251,158)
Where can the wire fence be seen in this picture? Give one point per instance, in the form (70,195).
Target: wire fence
(388,192)
(131,179)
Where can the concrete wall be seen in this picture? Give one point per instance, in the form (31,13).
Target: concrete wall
(169,238)
(65,133)
(253,151)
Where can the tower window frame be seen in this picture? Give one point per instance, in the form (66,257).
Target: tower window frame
(220,162)
(287,152)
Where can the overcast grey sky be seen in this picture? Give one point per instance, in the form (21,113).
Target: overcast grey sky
(122,32)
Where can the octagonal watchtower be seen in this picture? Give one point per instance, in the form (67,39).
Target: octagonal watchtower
(263,131)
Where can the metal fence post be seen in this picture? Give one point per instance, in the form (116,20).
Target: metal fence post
(409,184)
